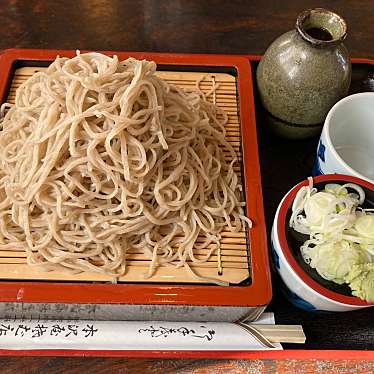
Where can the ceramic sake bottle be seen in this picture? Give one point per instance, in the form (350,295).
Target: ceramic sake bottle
(304,73)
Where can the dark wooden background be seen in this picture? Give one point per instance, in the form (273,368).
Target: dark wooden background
(203,26)
(206,26)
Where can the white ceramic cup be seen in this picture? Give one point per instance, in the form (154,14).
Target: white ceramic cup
(346,145)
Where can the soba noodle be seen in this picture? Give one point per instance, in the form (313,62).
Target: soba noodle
(100,156)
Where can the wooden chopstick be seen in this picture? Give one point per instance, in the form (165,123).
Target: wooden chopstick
(282,333)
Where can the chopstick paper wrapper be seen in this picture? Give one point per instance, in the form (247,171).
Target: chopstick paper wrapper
(141,335)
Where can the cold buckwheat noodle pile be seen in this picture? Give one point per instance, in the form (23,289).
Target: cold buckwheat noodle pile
(100,156)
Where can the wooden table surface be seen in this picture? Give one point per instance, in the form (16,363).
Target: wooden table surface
(198,26)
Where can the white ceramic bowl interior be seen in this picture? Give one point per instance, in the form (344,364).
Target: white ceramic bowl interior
(347,141)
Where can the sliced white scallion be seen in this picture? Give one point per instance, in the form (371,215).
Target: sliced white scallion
(341,233)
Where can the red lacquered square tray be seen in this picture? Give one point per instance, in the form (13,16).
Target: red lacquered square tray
(243,300)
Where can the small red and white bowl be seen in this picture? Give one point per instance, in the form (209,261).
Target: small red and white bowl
(303,286)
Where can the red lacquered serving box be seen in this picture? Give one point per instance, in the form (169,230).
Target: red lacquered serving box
(156,301)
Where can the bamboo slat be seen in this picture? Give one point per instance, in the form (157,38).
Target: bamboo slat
(233,255)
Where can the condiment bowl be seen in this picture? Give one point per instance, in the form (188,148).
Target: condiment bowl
(303,286)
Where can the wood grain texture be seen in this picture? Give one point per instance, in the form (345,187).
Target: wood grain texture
(210,26)
(150,366)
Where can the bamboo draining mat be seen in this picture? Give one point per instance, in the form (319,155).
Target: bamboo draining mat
(234,253)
